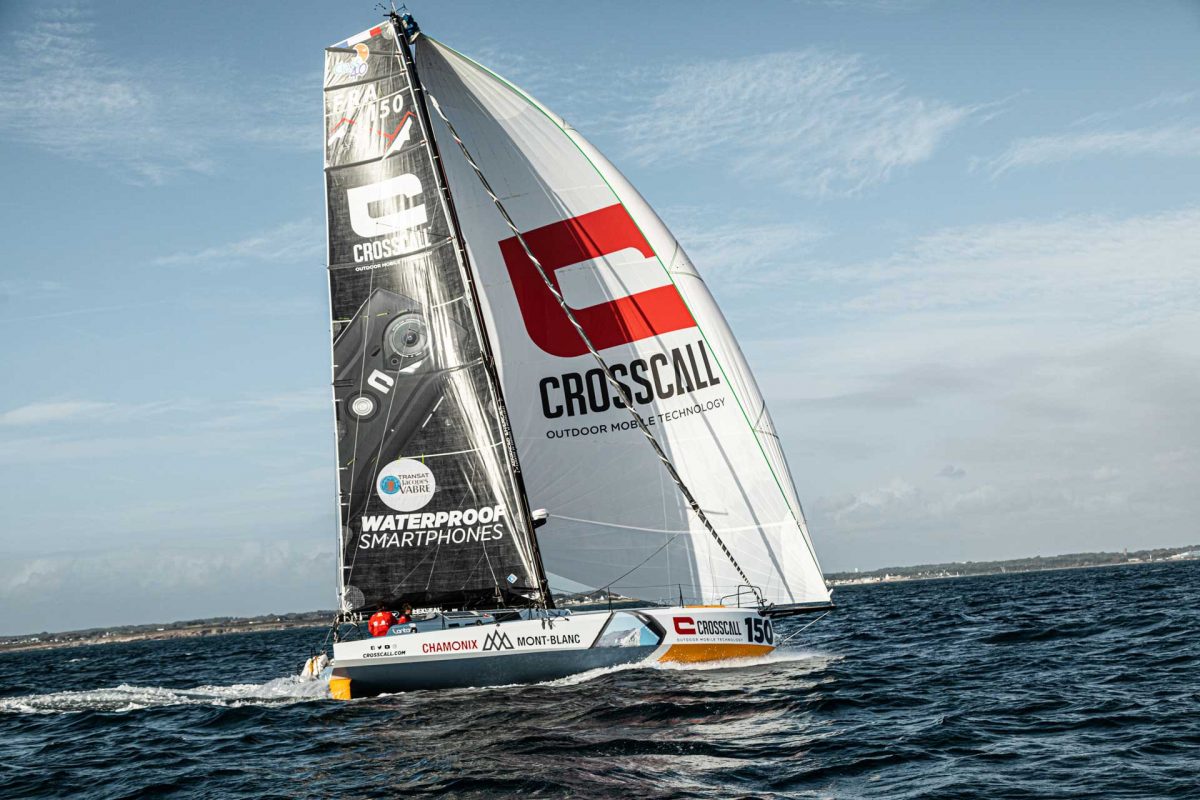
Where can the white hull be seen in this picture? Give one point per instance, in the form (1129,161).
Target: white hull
(546,648)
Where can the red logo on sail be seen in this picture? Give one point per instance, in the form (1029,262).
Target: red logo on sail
(621,320)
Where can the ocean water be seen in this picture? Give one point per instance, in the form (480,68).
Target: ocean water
(1082,683)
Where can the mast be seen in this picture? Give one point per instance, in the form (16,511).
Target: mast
(402,26)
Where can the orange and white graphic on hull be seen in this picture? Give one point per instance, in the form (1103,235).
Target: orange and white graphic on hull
(712,633)
(694,653)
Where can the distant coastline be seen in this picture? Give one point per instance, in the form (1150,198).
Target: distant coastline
(961,569)
(211,626)
(214,626)
(217,626)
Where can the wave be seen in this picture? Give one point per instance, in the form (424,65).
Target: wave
(123,698)
(871,704)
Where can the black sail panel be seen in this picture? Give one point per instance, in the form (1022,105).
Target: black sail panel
(431,512)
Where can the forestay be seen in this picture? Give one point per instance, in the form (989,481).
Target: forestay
(616,518)
(431,513)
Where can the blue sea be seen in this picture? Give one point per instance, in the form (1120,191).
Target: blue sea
(1074,683)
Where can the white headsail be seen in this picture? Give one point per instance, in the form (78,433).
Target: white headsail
(616,518)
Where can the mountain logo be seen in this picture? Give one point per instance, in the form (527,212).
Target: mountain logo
(497,640)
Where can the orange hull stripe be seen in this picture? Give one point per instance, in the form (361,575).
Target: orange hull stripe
(714,652)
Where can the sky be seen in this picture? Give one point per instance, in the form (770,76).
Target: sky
(959,244)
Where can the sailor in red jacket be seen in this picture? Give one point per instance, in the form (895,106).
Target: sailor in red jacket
(380,622)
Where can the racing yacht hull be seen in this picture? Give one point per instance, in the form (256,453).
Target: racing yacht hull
(545,648)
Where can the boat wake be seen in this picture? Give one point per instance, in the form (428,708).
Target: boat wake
(277,692)
(295,689)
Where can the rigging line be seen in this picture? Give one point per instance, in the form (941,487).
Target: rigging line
(661,530)
(647,558)
(622,392)
(791,636)
(492,569)
(425,456)
(528,544)
(636,586)
(610,584)
(398,585)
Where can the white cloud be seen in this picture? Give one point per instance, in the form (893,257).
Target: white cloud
(62,92)
(140,584)
(872,504)
(28,291)
(1052,369)
(739,254)
(210,506)
(886,6)
(1166,141)
(1164,100)
(301,400)
(1091,267)
(160,428)
(820,123)
(62,411)
(292,242)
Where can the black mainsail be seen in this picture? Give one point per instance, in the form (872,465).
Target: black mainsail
(431,505)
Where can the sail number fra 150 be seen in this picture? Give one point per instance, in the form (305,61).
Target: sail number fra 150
(759,631)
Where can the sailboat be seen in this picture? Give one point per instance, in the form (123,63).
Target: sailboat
(535,394)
